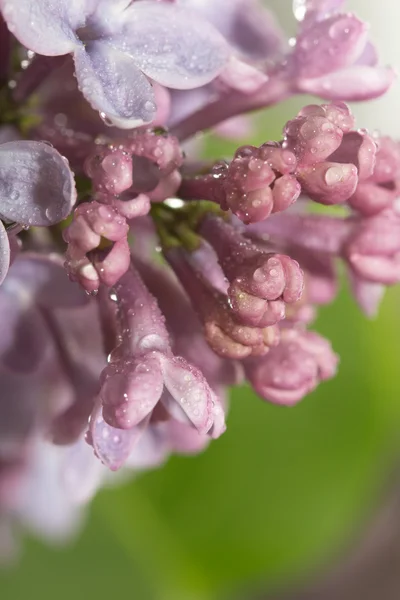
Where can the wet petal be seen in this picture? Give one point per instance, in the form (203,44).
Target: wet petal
(4,252)
(45,26)
(191,392)
(42,503)
(171,44)
(352,84)
(81,474)
(367,294)
(36,185)
(111,445)
(110,81)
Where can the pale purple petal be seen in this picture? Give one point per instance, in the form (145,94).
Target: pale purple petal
(367,294)
(111,445)
(81,473)
(45,26)
(42,504)
(351,84)
(36,185)
(190,390)
(242,76)
(246,24)
(46,281)
(24,338)
(110,81)
(4,252)
(172,45)
(152,448)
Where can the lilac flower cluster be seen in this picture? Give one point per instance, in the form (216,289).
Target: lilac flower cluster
(138,285)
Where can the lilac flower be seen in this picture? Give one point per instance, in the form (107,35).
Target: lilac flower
(118,47)
(331,57)
(188,276)
(142,373)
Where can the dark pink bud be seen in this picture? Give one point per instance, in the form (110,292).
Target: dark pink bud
(247,188)
(92,222)
(357,148)
(370,199)
(292,369)
(387,166)
(312,138)
(285,191)
(226,335)
(280,160)
(260,283)
(380,190)
(373,250)
(136,165)
(329,182)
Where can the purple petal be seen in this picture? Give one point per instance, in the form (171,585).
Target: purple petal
(45,26)
(190,390)
(131,390)
(42,503)
(329,45)
(246,24)
(171,44)
(81,474)
(351,84)
(367,294)
(111,445)
(152,448)
(36,185)
(304,9)
(243,77)
(46,282)
(4,252)
(110,81)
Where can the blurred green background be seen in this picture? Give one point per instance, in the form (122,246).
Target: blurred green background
(278,495)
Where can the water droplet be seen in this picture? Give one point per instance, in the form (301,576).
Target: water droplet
(150,106)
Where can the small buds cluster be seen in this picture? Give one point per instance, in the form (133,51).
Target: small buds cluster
(321,156)
(331,157)
(88,263)
(130,173)
(260,283)
(226,335)
(380,190)
(259,181)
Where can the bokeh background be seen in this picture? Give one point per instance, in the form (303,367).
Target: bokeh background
(285,493)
